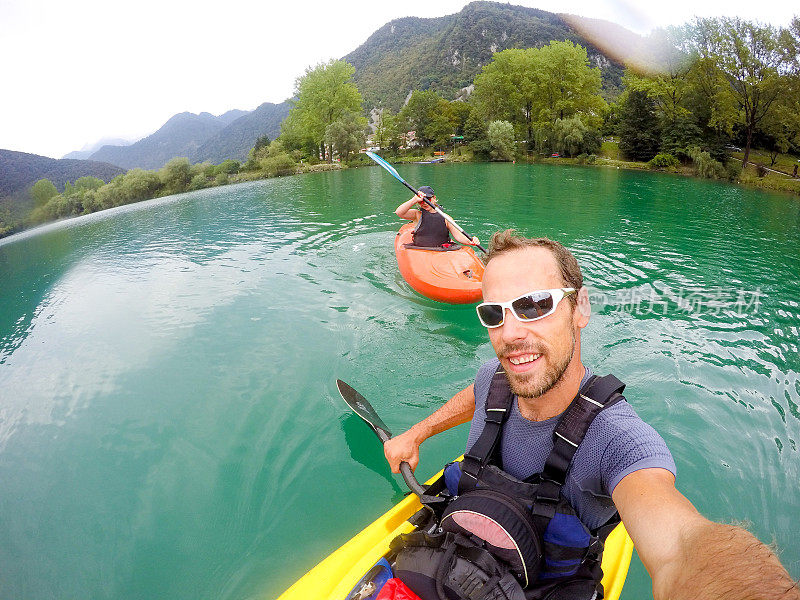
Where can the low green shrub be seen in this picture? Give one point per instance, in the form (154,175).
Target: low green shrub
(733,170)
(663,161)
(278,164)
(705,165)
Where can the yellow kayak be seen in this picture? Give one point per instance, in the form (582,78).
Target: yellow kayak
(336,576)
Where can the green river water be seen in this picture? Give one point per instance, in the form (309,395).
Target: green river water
(169,422)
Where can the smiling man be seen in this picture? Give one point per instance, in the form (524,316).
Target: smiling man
(535,306)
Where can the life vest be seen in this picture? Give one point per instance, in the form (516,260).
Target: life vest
(431,230)
(528,525)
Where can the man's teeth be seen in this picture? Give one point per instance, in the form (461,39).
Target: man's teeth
(525,358)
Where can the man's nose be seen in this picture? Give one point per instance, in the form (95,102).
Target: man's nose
(512,329)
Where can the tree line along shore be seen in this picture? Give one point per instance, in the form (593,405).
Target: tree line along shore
(717,98)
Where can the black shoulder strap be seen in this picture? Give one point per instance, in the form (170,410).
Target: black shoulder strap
(498,407)
(594,396)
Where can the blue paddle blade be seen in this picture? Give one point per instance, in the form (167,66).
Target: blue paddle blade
(385,165)
(391,170)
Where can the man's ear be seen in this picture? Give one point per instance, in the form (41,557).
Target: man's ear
(584,307)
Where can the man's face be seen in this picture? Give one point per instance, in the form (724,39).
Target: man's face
(426,206)
(533,354)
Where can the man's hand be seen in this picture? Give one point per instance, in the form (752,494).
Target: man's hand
(475,241)
(405,447)
(402,448)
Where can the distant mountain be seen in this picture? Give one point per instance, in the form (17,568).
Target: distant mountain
(20,170)
(446,53)
(230,116)
(181,135)
(199,137)
(236,140)
(89,149)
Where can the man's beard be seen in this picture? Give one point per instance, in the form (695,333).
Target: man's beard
(528,386)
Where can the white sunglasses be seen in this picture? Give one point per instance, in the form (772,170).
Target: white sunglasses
(528,307)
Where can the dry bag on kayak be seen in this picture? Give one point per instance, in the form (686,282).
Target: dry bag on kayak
(504,527)
(449,566)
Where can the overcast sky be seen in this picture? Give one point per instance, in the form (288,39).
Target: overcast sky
(75,72)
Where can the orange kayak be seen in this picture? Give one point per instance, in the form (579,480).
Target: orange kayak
(452,276)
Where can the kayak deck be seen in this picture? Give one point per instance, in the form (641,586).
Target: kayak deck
(335,576)
(452,276)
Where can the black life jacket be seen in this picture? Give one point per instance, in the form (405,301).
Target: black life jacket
(529,525)
(568,550)
(431,230)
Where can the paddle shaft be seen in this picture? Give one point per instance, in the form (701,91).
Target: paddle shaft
(396,175)
(405,468)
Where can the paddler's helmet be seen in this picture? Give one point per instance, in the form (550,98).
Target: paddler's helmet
(427,190)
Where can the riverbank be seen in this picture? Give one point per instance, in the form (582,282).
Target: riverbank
(90,195)
(760,173)
(773,178)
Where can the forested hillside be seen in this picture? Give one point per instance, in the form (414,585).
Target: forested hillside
(445,54)
(236,140)
(20,170)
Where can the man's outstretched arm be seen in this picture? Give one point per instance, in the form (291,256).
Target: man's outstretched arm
(405,447)
(690,557)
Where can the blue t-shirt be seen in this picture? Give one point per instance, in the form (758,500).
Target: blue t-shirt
(617,443)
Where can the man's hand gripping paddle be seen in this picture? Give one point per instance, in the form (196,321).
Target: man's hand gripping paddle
(359,405)
(396,175)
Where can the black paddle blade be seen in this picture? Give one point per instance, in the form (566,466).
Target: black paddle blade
(359,405)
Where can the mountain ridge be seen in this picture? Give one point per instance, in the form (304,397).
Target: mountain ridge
(199,137)
(446,53)
(20,170)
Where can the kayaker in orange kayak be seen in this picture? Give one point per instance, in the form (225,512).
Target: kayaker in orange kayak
(431,229)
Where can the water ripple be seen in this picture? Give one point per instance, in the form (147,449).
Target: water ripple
(167,369)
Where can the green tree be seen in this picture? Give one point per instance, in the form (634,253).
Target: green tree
(346,135)
(781,127)
(138,184)
(387,130)
(461,112)
(505,90)
(475,135)
(668,85)
(567,85)
(42,191)
(501,137)
(430,116)
(751,58)
(176,175)
(7,224)
(534,87)
(262,142)
(88,183)
(230,166)
(639,132)
(611,120)
(325,94)
(572,137)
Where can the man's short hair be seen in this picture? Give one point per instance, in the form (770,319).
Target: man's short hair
(507,241)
